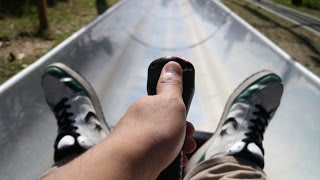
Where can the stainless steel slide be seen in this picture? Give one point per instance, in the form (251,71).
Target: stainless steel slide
(113,53)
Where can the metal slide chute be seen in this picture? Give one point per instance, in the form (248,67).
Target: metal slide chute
(114,52)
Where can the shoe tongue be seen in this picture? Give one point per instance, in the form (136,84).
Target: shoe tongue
(65,142)
(83,104)
(238,110)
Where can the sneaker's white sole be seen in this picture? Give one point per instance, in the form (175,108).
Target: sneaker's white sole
(92,94)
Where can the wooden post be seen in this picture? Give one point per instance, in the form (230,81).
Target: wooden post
(43,18)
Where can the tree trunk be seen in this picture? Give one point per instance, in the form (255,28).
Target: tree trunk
(43,18)
(102,6)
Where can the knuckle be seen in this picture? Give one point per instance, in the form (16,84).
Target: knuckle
(139,105)
(169,80)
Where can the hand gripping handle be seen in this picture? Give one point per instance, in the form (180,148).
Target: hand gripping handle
(174,170)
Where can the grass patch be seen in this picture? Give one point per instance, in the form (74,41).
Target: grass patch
(311,7)
(295,40)
(10,68)
(21,42)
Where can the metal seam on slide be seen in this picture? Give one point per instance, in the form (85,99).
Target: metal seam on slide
(172,49)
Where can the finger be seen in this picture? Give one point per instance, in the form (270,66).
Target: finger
(184,160)
(190,129)
(189,145)
(170,81)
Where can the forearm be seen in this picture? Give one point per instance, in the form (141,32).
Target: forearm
(114,158)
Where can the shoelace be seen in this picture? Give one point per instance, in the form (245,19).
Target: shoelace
(258,126)
(65,123)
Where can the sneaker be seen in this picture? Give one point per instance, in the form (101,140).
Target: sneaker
(245,118)
(81,123)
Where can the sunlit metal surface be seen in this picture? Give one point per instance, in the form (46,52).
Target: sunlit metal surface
(113,53)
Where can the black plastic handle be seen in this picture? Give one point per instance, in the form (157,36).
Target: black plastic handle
(188,76)
(174,170)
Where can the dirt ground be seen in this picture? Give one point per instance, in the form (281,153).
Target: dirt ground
(18,54)
(30,48)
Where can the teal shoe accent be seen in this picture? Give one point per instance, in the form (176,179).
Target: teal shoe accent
(66,79)
(55,72)
(257,86)
(202,158)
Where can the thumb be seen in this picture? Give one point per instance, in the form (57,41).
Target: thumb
(170,81)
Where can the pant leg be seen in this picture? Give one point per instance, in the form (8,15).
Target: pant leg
(226,168)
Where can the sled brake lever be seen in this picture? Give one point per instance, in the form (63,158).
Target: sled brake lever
(188,74)
(174,170)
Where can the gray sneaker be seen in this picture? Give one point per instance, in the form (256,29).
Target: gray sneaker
(245,118)
(81,123)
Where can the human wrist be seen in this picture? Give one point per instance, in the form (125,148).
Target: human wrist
(137,155)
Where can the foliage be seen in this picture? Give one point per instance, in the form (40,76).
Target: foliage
(313,4)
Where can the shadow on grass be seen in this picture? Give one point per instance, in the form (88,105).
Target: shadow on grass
(300,37)
(316,60)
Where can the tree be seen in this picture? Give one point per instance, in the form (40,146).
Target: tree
(43,18)
(102,6)
(296,2)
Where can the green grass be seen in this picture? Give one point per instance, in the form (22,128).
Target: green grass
(19,30)
(313,4)
(301,44)
(311,7)
(16,27)
(12,67)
